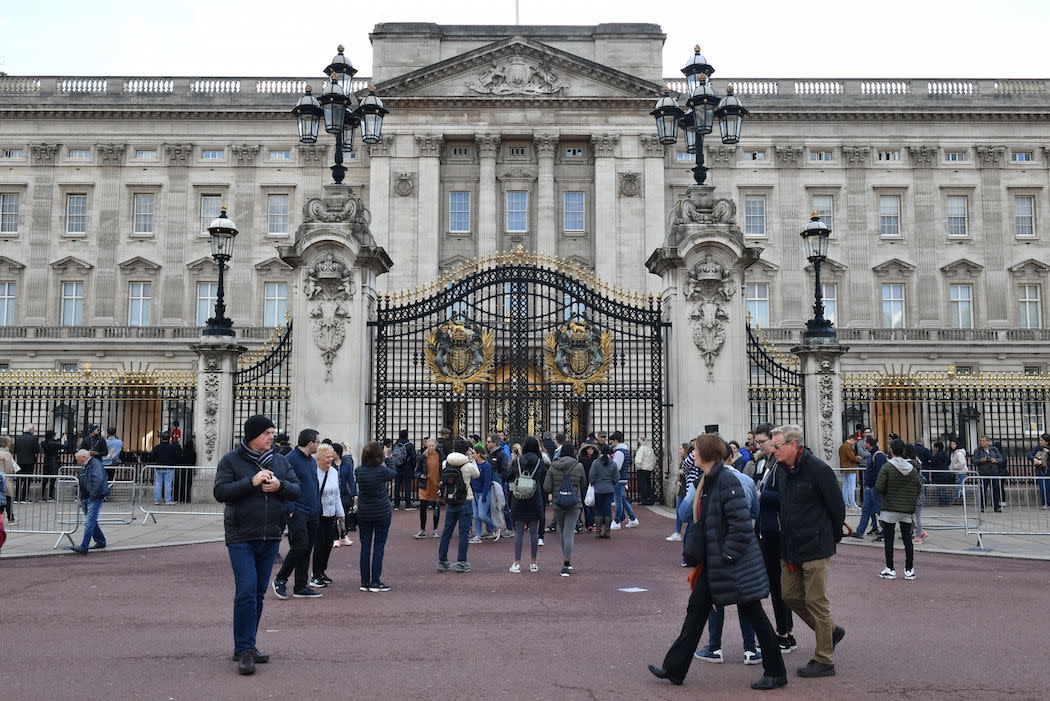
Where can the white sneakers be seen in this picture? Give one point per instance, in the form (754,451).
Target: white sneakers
(539,542)
(515,569)
(534,567)
(909,574)
(615,526)
(674,537)
(633,523)
(887,573)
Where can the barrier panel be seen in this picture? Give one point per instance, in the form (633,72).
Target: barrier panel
(119,506)
(191,492)
(60,515)
(1007,506)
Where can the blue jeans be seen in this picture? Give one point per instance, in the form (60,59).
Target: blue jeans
(622,505)
(91,530)
(162,480)
(849,488)
(872,506)
(716,619)
(455,514)
(372,535)
(677,521)
(251,563)
(481,515)
(1043,482)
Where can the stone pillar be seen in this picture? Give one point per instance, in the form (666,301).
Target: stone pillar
(822,379)
(240,270)
(40,235)
(104,285)
(998,294)
(488,229)
(854,238)
(379,189)
(547,208)
(653,179)
(793,292)
(701,265)
(336,263)
(605,206)
(428,198)
(216,365)
(174,233)
(929,236)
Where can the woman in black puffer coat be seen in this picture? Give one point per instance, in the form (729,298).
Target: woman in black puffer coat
(728,567)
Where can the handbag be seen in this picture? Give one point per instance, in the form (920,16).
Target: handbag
(588,499)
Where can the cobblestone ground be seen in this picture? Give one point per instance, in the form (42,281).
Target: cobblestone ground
(155,624)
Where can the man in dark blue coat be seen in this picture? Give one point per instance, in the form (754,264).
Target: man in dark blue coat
(304,520)
(93,491)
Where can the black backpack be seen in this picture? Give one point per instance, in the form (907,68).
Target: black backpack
(565,498)
(453,487)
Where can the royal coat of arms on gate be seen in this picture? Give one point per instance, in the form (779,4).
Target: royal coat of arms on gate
(579,353)
(460,352)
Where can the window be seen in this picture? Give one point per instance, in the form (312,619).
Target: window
(72,304)
(460,150)
(893,306)
(964,369)
(459,212)
(889,215)
(12,153)
(145,155)
(1033,418)
(957,215)
(573,152)
(955,156)
(280,155)
(10,207)
(1033,369)
(207,292)
(755,215)
(7,303)
(79,154)
(211,205)
(889,155)
(1021,156)
(820,155)
(517,211)
(831,302)
(824,206)
(1024,216)
(683,156)
(213,154)
(756,297)
(517,150)
(275,300)
(142,210)
(1030,312)
(277,214)
(76,214)
(140,302)
(573,216)
(754,155)
(960,306)
(69,367)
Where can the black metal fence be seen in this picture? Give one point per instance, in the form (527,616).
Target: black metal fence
(263,385)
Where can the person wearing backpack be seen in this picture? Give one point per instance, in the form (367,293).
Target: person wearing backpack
(454,490)
(564,487)
(403,460)
(526,501)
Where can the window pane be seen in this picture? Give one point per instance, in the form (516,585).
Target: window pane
(1024,216)
(7,303)
(143,213)
(757,300)
(277,214)
(960,306)
(823,205)
(957,216)
(893,306)
(276,303)
(573,211)
(755,216)
(517,210)
(206,294)
(72,303)
(1030,313)
(459,212)
(211,205)
(831,302)
(889,215)
(76,214)
(10,206)
(140,303)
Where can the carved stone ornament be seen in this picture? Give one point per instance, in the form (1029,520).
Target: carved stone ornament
(313,153)
(789,156)
(460,352)
(111,154)
(708,288)
(991,156)
(245,154)
(546,144)
(700,206)
(922,156)
(630,184)
(178,154)
(826,392)
(404,184)
(212,383)
(720,153)
(651,146)
(516,174)
(856,155)
(578,353)
(329,287)
(429,145)
(604,145)
(488,145)
(517,75)
(341,206)
(43,154)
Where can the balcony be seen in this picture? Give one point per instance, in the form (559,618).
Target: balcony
(937,336)
(182,334)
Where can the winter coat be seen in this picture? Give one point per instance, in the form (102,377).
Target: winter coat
(500,463)
(251,513)
(347,483)
(604,477)
(898,484)
(724,542)
(769,500)
(483,482)
(308,505)
(373,487)
(958,462)
(871,473)
(527,509)
(27,447)
(429,464)
(996,465)
(811,509)
(496,504)
(166,454)
(561,467)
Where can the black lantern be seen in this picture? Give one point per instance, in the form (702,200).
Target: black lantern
(702,102)
(690,132)
(667,113)
(353,120)
(343,70)
(223,233)
(697,70)
(372,113)
(730,115)
(815,238)
(308,113)
(333,102)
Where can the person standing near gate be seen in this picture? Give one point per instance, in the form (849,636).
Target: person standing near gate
(256,484)
(93,490)
(990,463)
(849,461)
(166,455)
(622,457)
(645,462)
(27,447)
(114,447)
(304,520)
(94,443)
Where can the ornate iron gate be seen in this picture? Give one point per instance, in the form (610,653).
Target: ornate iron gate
(775,391)
(263,385)
(520,343)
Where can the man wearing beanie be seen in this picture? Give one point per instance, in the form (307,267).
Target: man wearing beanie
(304,520)
(255,483)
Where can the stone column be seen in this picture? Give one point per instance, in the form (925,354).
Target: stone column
(605,232)
(336,263)
(998,295)
(822,379)
(546,207)
(792,291)
(104,284)
(428,198)
(488,229)
(379,189)
(247,309)
(40,235)
(928,235)
(174,233)
(854,239)
(216,365)
(653,179)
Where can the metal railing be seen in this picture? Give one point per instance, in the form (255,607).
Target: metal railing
(119,506)
(1018,506)
(59,515)
(192,492)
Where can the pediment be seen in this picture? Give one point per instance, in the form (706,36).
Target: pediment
(828,266)
(516,68)
(71,263)
(202,263)
(451,263)
(272,265)
(10,266)
(1029,268)
(138,263)
(894,267)
(761,269)
(962,268)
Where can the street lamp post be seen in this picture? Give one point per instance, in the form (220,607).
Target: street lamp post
(815,235)
(340,112)
(702,108)
(222,232)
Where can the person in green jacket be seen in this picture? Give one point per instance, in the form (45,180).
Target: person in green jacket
(898,485)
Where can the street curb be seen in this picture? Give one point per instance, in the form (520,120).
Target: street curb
(115,548)
(952,551)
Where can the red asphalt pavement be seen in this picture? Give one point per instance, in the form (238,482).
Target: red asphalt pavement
(155,624)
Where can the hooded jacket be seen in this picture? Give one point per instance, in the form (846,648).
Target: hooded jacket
(898,484)
(561,467)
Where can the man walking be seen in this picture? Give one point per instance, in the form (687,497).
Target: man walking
(811,516)
(93,490)
(304,520)
(622,457)
(645,463)
(255,483)
(27,447)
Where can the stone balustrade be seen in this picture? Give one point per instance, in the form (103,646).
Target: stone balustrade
(876,335)
(160,333)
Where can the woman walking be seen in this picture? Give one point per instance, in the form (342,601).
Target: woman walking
(428,474)
(373,513)
(683,451)
(526,511)
(564,488)
(603,477)
(898,485)
(331,513)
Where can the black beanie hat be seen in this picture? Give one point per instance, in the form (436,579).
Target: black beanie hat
(255,426)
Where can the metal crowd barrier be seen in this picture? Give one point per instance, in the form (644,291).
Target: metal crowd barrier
(1022,506)
(119,506)
(60,515)
(191,492)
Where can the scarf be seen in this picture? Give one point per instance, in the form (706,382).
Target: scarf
(262,459)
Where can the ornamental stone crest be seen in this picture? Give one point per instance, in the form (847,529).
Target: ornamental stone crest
(460,352)
(404,184)
(517,75)
(700,206)
(708,288)
(578,353)
(630,184)
(329,289)
(339,204)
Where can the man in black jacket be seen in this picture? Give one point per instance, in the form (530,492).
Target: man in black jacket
(811,517)
(27,447)
(256,485)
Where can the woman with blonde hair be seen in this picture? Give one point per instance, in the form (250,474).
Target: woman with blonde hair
(331,512)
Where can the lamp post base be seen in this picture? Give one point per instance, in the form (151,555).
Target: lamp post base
(819,332)
(219,327)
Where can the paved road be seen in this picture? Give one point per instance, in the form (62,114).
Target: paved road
(154,624)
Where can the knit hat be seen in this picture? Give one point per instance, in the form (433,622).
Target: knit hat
(457,459)
(255,426)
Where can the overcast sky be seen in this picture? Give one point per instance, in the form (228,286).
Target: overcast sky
(763,38)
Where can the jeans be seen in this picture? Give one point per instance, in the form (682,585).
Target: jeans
(849,488)
(565,520)
(455,514)
(403,487)
(677,521)
(872,506)
(622,505)
(480,508)
(1042,481)
(162,481)
(959,481)
(251,562)
(302,536)
(373,544)
(91,530)
(519,538)
(909,548)
(716,619)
